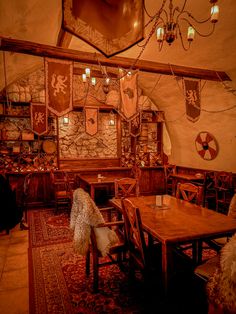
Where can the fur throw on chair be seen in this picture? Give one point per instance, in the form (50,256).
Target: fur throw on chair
(84,214)
(221,287)
(232,207)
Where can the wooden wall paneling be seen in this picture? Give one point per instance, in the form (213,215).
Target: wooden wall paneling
(152,180)
(73,164)
(40,188)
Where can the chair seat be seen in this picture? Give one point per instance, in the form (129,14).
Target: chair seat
(221,241)
(207,269)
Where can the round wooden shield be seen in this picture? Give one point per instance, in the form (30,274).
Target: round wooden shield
(206,145)
(49,147)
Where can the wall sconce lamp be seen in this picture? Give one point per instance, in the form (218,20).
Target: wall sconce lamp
(111,121)
(65,120)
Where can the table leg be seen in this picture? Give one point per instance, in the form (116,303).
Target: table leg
(174,183)
(165,267)
(199,252)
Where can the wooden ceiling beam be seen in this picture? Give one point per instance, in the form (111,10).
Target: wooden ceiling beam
(27,47)
(64,38)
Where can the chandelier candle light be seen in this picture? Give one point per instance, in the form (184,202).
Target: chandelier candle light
(168,23)
(86,76)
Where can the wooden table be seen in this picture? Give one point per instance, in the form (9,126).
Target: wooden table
(93,182)
(184,177)
(178,222)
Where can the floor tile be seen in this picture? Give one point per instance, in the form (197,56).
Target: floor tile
(2,263)
(19,248)
(14,279)
(3,249)
(15,262)
(14,301)
(16,240)
(19,234)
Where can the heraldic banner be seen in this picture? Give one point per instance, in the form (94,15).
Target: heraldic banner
(106,25)
(59,75)
(91,120)
(129,96)
(135,126)
(39,118)
(192,99)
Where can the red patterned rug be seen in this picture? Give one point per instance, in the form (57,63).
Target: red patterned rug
(61,286)
(46,227)
(58,284)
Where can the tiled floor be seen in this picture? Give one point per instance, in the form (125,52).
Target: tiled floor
(14,286)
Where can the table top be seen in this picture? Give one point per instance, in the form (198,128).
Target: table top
(92,179)
(178,220)
(187,176)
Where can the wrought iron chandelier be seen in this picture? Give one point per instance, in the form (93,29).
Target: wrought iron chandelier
(169,21)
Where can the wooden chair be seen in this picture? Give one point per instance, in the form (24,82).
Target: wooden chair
(224,190)
(217,244)
(116,254)
(125,187)
(168,171)
(145,258)
(209,191)
(193,194)
(62,192)
(190,192)
(218,274)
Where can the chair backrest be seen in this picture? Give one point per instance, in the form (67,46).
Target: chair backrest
(190,192)
(223,179)
(125,187)
(134,233)
(169,170)
(209,180)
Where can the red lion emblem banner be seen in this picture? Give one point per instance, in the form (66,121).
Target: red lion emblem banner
(59,76)
(192,99)
(39,118)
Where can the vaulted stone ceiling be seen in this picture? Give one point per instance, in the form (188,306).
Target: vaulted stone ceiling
(40,21)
